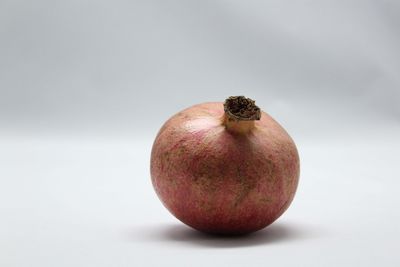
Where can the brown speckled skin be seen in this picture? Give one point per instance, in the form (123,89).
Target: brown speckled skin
(221,182)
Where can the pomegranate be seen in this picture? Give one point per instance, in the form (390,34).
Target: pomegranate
(225,168)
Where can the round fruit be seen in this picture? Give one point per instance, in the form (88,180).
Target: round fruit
(225,168)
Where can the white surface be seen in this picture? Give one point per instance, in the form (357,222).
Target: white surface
(68,201)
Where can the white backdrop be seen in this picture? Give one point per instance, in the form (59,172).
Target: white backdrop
(85,86)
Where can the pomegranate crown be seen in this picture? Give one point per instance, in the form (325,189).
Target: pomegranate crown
(241,108)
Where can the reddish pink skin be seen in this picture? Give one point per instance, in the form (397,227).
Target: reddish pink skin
(221,182)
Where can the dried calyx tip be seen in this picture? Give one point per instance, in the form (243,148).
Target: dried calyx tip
(241,108)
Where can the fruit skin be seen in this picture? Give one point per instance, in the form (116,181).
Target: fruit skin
(219,181)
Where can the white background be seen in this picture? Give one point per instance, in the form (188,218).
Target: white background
(85,86)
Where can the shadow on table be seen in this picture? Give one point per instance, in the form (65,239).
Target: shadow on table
(275,233)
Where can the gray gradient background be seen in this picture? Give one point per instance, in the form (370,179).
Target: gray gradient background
(85,86)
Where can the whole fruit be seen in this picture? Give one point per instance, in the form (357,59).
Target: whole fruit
(225,168)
